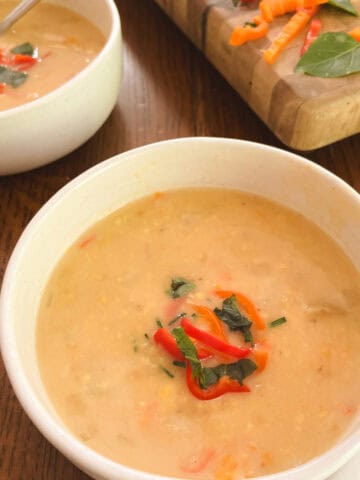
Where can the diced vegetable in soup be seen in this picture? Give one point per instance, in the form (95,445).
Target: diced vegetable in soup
(203,334)
(42,51)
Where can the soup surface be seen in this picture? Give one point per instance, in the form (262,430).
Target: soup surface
(43,50)
(121,386)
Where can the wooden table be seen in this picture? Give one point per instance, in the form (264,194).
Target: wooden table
(169,90)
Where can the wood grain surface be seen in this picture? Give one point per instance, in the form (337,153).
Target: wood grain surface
(303,111)
(169,90)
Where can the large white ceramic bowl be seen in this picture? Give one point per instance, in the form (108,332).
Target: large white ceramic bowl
(65,118)
(275,174)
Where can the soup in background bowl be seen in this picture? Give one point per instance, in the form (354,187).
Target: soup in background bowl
(43,50)
(207,176)
(60,69)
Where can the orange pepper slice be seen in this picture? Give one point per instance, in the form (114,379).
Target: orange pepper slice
(261,356)
(214,323)
(294,26)
(274,8)
(248,32)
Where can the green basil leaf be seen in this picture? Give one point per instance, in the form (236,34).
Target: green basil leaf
(237,371)
(24,49)
(180,287)
(230,314)
(345,5)
(189,351)
(12,77)
(333,54)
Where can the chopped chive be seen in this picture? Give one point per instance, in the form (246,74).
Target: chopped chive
(165,370)
(177,363)
(146,336)
(158,323)
(178,317)
(194,315)
(277,322)
(135,347)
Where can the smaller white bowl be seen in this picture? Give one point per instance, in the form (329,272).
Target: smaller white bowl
(203,162)
(52,126)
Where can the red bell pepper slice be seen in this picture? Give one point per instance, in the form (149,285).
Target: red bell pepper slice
(23,62)
(224,385)
(20,58)
(212,341)
(164,338)
(311,35)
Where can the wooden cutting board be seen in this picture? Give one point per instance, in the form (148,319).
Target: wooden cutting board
(304,112)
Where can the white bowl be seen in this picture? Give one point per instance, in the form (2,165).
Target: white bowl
(57,123)
(273,173)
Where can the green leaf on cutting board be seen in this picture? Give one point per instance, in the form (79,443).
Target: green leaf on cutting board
(333,54)
(345,5)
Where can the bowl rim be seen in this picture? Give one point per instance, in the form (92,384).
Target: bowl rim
(110,39)
(59,436)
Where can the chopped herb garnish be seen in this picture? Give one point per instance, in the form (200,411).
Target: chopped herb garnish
(250,24)
(146,335)
(237,371)
(177,363)
(277,322)
(135,345)
(12,77)
(234,319)
(189,351)
(24,49)
(194,315)
(180,287)
(248,336)
(178,317)
(158,323)
(165,370)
